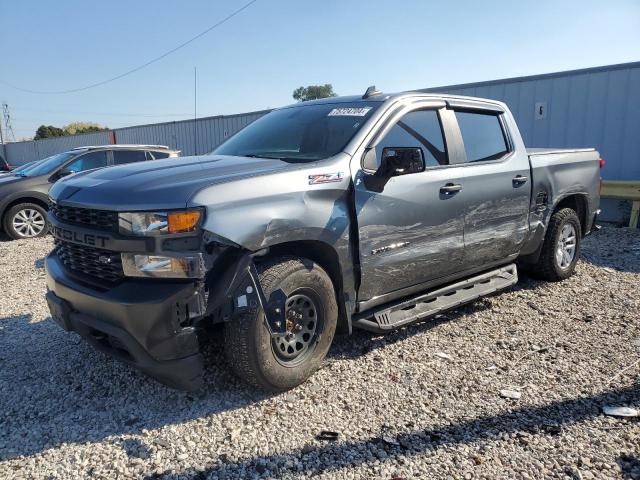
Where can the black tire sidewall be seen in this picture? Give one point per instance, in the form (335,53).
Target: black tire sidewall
(303,277)
(566,217)
(11,213)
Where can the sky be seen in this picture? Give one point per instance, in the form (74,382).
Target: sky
(255,60)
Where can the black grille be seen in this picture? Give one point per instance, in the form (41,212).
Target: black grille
(94,262)
(103,219)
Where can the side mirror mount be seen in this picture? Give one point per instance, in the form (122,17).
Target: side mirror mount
(370,160)
(401,161)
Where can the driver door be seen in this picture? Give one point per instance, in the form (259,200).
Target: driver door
(410,225)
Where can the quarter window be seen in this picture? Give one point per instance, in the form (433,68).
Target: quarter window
(421,129)
(121,157)
(482,135)
(88,161)
(157,155)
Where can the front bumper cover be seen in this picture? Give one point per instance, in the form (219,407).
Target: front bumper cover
(137,322)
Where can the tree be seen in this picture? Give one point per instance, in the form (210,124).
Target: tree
(313,92)
(74,128)
(48,132)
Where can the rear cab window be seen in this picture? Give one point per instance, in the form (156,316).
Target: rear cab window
(483,135)
(151,155)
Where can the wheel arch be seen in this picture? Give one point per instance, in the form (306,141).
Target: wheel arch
(327,257)
(578,202)
(13,201)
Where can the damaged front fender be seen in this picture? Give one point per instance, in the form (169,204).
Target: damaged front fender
(236,290)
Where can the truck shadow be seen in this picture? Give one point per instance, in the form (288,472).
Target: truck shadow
(361,342)
(613,248)
(533,420)
(55,389)
(629,465)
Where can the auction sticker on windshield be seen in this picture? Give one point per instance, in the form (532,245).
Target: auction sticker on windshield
(349,112)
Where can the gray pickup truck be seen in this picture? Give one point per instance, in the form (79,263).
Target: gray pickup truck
(368,211)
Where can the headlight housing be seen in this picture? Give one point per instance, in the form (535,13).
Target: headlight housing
(160,223)
(163,266)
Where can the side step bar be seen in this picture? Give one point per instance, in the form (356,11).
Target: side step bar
(403,312)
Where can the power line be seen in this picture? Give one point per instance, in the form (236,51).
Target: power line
(139,67)
(106,114)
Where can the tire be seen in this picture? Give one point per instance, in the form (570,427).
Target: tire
(279,365)
(26,220)
(551,266)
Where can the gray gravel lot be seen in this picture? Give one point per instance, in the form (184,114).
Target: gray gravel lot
(423,402)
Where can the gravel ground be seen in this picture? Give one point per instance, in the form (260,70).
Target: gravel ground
(423,402)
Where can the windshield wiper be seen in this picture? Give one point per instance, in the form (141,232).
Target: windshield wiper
(253,155)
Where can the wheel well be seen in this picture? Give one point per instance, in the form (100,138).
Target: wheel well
(17,201)
(325,256)
(580,205)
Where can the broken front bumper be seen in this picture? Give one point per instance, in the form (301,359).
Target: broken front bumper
(137,322)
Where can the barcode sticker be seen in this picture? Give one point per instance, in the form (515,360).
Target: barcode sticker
(349,112)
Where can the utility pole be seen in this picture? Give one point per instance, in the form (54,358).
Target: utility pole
(4,154)
(7,122)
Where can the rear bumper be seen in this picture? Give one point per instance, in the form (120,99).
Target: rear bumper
(137,322)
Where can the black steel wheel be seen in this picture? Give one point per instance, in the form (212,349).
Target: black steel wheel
(281,362)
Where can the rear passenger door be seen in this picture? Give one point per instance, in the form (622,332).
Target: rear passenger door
(495,186)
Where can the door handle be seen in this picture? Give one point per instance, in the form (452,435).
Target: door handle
(450,188)
(519,180)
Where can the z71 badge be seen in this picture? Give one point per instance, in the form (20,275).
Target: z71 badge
(325,178)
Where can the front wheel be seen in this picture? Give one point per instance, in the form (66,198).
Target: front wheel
(26,220)
(283,362)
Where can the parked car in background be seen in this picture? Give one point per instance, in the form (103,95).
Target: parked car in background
(20,168)
(4,165)
(24,194)
(369,212)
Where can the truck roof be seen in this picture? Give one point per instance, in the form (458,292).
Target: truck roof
(382,97)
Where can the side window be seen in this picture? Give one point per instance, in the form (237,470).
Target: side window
(482,136)
(121,157)
(422,129)
(157,155)
(88,161)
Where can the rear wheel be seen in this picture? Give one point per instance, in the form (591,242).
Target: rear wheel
(561,247)
(282,362)
(26,220)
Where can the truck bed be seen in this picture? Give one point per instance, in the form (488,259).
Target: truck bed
(561,172)
(555,151)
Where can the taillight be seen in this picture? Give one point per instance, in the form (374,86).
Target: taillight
(601,162)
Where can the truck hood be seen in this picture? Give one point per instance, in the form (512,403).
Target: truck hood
(157,184)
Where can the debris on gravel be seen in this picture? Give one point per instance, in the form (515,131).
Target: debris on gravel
(401,410)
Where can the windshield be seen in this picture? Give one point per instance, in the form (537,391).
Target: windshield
(48,164)
(303,133)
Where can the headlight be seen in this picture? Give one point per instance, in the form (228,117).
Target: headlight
(159,223)
(161,266)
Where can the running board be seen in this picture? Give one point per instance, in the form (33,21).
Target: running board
(401,313)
